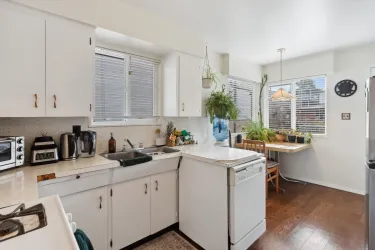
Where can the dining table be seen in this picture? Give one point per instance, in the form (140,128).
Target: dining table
(282,147)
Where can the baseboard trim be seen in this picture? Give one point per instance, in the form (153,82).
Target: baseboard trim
(320,183)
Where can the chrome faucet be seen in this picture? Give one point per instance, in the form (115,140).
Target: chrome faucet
(131,144)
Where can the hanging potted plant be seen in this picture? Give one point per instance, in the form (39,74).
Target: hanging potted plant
(221,108)
(208,76)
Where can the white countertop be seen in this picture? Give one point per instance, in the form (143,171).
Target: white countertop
(20,184)
(56,235)
(222,156)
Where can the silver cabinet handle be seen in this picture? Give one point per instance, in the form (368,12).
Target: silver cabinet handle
(100,205)
(54,101)
(183,106)
(145,188)
(157,185)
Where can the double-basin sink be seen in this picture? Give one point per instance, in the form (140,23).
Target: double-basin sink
(137,156)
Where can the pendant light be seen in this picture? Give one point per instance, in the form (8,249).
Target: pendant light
(281,94)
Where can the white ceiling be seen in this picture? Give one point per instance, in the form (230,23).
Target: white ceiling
(255,29)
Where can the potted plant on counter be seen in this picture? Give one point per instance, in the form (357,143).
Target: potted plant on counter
(280,135)
(292,135)
(300,137)
(255,131)
(308,137)
(221,108)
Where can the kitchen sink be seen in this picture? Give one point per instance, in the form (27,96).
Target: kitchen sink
(158,150)
(124,155)
(129,158)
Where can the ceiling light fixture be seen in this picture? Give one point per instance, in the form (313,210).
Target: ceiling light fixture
(281,94)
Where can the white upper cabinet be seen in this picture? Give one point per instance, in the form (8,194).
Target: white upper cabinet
(70,53)
(22,63)
(46,64)
(182,91)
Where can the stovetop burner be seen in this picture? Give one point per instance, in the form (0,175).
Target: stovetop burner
(22,220)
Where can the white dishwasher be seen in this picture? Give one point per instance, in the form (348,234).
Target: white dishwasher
(247,203)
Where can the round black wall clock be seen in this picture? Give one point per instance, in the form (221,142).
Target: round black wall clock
(345,88)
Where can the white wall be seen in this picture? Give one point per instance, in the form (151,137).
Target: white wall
(118,16)
(337,159)
(242,68)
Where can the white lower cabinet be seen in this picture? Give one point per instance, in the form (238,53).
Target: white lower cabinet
(163,200)
(90,212)
(143,207)
(120,213)
(130,211)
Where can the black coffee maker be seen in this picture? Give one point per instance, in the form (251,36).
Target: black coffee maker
(86,141)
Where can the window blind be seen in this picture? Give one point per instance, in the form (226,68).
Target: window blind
(311,105)
(142,88)
(243,94)
(279,112)
(109,86)
(125,86)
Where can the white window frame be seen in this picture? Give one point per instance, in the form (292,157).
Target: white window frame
(152,121)
(293,104)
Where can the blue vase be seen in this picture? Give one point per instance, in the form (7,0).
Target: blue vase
(220,129)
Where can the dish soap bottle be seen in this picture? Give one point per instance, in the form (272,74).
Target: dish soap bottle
(112,145)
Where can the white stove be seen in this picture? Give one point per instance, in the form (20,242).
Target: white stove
(38,225)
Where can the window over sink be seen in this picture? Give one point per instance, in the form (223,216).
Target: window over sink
(126,89)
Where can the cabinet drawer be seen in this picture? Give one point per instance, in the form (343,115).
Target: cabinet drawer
(74,184)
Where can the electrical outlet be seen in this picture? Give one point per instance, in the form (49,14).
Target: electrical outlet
(345,116)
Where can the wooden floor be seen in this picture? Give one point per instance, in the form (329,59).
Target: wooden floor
(313,217)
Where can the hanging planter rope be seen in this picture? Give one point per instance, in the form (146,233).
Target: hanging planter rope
(208,77)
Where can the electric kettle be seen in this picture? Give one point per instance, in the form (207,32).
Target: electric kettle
(68,147)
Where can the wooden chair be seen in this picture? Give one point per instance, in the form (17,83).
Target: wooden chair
(272,166)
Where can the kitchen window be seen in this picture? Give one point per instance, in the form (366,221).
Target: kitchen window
(125,88)
(306,112)
(243,95)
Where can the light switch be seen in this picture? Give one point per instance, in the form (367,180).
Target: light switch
(345,116)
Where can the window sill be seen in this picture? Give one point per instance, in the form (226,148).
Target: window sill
(127,122)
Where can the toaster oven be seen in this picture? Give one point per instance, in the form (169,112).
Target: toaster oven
(12,151)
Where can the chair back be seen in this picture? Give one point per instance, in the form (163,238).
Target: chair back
(255,145)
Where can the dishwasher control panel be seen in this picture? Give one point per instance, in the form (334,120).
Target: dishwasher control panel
(246,171)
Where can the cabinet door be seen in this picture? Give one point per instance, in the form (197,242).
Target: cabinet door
(90,212)
(190,86)
(163,200)
(22,63)
(70,56)
(130,212)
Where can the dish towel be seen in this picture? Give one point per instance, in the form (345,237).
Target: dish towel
(83,241)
